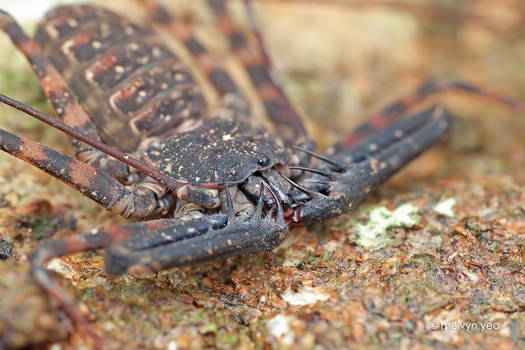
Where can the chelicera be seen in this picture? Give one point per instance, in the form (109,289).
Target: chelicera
(204,184)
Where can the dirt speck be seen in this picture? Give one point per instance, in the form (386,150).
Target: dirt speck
(453,278)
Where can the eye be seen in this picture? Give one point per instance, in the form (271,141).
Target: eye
(263,160)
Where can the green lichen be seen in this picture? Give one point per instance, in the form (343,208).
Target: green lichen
(373,234)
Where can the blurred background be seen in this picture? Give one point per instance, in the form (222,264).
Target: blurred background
(340,61)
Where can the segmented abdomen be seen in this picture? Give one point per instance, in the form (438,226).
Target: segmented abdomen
(131,85)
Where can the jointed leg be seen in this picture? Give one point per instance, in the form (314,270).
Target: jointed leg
(161,244)
(68,110)
(140,200)
(396,109)
(267,62)
(210,65)
(252,55)
(75,244)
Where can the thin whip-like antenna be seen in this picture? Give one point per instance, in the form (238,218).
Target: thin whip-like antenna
(153,172)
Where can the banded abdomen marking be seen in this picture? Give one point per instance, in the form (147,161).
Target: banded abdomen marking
(120,73)
(154,107)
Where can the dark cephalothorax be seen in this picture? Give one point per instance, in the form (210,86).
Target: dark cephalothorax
(205,184)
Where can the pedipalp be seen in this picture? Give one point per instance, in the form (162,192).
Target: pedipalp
(126,95)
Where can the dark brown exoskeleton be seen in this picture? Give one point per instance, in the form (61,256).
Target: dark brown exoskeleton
(206,184)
